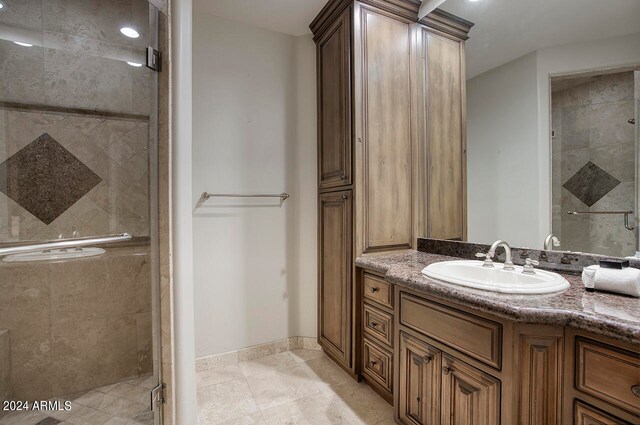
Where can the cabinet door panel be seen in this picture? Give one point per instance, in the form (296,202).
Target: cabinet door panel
(446,144)
(540,380)
(386,141)
(335,275)
(587,415)
(419,391)
(469,396)
(334,104)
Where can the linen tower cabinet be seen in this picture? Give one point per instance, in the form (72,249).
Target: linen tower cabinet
(391,145)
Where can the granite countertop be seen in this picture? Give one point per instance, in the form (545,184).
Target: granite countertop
(612,315)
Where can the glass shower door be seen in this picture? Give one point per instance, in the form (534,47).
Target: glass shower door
(78,212)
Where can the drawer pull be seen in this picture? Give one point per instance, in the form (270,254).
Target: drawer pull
(374,289)
(446,370)
(636,390)
(374,324)
(372,363)
(427,359)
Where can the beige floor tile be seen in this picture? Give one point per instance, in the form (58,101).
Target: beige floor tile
(88,416)
(116,420)
(22,418)
(218,375)
(255,419)
(125,408)
(274,388)
(315,410)
(121,390)
(303,355)
(267,364)
(327,373)
(359,403)
(225,401)
(95,400)
(387,422)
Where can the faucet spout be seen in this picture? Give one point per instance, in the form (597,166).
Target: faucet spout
(508,263)
(550,241)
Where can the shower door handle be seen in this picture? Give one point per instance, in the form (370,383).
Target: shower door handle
(65,243)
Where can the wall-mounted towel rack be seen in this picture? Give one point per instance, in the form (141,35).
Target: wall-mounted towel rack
(625,213)
(207,195)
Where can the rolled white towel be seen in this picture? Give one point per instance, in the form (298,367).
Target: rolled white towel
(625,281)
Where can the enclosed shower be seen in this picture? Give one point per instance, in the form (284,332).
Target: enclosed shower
(595,161)
(78,211)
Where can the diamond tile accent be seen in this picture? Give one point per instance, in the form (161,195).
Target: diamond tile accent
(591,183)
(46,179)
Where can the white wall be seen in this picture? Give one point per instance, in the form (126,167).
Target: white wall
(509,166)
(254,132)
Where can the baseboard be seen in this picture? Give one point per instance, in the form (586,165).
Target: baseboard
(256,352)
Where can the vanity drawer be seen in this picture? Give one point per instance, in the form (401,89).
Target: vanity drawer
(377,364)
(473,335)
(377,324)
(376,289)
(608,373)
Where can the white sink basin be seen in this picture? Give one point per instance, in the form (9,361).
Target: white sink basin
(471,273)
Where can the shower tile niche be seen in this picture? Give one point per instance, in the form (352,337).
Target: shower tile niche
(594,164)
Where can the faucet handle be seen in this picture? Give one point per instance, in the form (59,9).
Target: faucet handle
(487,258)
(528,266)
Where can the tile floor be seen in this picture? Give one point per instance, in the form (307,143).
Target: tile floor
(301,387)
(123,403)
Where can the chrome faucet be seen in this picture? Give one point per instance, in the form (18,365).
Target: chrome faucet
(550,241)
(508,264)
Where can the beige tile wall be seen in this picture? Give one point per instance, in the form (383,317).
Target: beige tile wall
(116,149)
(5,365)
(590,124)
(77,324)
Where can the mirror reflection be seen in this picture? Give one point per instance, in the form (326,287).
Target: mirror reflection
(553,95)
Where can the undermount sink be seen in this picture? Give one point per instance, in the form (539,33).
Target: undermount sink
(472,274)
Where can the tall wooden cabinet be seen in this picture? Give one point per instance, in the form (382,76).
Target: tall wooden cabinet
(391,148)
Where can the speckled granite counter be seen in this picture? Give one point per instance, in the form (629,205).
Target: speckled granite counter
(611,315)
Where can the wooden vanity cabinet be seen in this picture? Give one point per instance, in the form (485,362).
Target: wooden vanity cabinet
(454,365)
(377,92)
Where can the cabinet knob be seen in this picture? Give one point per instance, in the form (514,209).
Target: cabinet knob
(427,359)
(372,363)
(418,399)
(374,324)
(636,390)
(343,177)
(446,370)
(344,196)
(374,289)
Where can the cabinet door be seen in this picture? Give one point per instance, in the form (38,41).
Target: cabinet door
(419,391)
(384,147)
(587,415)
(334,297)
(444,106)
(334,104)
(469,396)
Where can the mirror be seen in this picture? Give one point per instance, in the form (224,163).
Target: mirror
(553,104)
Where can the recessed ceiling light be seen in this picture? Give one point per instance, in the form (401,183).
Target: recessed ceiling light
(1,5)
(129,32)
(135,64)
(20,43)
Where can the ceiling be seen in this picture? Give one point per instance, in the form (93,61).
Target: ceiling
(287,16)
(508,29)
